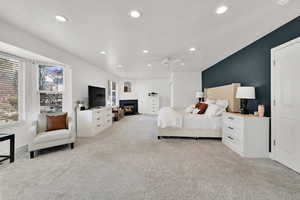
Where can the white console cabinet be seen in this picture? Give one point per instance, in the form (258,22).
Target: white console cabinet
(91,122)
(246,134)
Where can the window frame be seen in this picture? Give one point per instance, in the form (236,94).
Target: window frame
(110,92)
(21,90)
(63,92)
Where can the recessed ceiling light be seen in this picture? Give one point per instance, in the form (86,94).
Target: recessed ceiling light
(135,14)
(61,18)
(145,51)
(103,52)
(192,49)
(221,10)
(182,64)
(120,66)
(282,2)
(149,65)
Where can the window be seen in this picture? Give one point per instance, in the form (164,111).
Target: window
(10,89)
(112,93)
(51,88)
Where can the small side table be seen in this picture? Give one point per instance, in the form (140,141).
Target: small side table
(11,138)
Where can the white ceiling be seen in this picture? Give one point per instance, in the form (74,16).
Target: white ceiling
(167,28)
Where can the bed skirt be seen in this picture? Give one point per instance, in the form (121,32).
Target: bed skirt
(189,133)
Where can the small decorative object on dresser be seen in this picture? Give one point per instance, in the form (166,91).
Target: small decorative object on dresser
(261,110)
(247,135)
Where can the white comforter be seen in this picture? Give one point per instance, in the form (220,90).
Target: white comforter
(168,117)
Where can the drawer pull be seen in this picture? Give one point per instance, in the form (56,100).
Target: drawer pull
(98,125)
(230,128)
(230,137)
(231,118)
(98,118)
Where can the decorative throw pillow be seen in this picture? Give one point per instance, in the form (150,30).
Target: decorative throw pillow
(202,107)
(56,122)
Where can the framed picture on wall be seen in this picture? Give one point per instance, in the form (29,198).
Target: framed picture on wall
(127,86)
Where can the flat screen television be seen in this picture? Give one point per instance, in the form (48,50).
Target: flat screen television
(96,96)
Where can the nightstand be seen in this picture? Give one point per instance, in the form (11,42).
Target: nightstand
(247,135)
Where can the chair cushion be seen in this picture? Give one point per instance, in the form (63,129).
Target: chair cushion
(56,122)
(52,135)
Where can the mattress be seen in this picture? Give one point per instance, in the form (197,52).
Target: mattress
(204,122)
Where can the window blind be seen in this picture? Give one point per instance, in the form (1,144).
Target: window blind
(9,72)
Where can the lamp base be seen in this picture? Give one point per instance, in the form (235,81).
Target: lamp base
(243,108)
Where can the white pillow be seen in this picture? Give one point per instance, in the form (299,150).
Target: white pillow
(190,108)
(210,101)
(222,103)
(213,110)
(195,111)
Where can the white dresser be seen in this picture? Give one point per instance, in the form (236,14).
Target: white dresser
(153,105)
(92,122)
(247,135)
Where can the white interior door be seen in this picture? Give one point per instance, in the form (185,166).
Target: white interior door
(286,105)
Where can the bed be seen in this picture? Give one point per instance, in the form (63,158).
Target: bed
(203,126)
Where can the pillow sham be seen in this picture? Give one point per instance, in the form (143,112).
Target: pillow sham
(210,101)
(222,103)
(214,110)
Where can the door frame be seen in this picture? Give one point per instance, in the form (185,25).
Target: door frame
(273,102)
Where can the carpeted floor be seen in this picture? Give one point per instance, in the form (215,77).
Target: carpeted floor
(128,162)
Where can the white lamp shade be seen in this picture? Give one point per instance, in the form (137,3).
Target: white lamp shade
(199,94)
(245,93)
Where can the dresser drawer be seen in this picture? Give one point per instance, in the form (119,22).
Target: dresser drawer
(233,121)
(234,131)
(233,144)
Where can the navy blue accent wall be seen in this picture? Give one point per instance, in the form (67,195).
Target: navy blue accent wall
(251,66)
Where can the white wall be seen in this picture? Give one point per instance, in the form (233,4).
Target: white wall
(141,88)
(184,87)
(83,73)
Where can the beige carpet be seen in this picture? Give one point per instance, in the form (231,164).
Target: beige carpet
(128,162)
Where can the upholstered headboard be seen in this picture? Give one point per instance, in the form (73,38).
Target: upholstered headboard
(225,92)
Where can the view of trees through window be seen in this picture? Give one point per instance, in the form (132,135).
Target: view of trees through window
(9,72)
(51,86)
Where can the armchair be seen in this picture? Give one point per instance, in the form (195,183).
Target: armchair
(42,139)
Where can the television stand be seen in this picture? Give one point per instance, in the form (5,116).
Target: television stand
(94,121)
